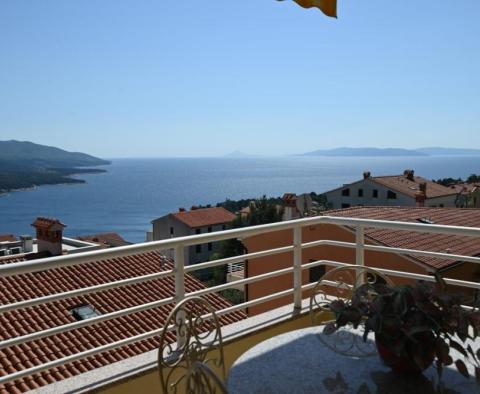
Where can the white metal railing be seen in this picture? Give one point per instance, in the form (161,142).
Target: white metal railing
(179,270)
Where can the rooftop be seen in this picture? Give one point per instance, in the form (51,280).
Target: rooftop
(7,238)
(454,244)
(25,321)
(204,217)
(410,187)
(109,239)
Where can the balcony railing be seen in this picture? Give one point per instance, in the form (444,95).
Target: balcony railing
(179,271)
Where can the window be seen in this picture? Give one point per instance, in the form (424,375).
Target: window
(346,192)
(315,273)
(360,192)
(172,231)
(375,193)
(391,195)
(198,231)
(198,248)
(210,229)
(345,206)
(210,246)
(83,312)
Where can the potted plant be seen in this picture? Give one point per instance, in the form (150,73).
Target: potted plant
(414,325)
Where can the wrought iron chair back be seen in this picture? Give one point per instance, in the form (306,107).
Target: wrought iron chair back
(199,340)
(340,283)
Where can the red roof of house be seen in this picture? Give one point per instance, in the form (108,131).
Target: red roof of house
(32,285)
(109,239)
(7,238)
(204,217)
(467,246)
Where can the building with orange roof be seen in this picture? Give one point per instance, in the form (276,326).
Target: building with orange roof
(395,190)
(194,221)
(70,310)
(456,245)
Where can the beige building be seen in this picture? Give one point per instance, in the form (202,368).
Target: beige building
(195,221)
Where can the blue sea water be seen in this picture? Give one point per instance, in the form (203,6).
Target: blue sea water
(135,191)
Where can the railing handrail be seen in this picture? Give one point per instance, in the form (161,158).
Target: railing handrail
(121,251)
(179,270)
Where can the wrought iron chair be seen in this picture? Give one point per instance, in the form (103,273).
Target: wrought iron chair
(340,283)
(199,341)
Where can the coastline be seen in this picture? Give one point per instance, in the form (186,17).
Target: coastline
(66,176)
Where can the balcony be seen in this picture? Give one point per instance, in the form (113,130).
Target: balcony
(138,372)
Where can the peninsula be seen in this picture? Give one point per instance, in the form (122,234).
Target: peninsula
(25,165)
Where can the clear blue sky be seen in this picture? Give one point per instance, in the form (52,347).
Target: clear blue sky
(121,78)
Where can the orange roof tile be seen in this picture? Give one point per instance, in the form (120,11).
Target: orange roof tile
(110,239)
(402,184)
(467,246)
(204,217)
(7,238)
(29,320)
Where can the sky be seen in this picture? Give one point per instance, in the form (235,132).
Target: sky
(163,78)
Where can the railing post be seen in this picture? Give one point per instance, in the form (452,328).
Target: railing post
(360,250)
(179,272)
(297,267)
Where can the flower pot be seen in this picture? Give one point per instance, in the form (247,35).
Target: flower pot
(416,356)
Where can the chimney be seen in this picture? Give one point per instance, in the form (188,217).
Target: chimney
(409,174)
(49,233)
(367,174)
(420,198)
(181,209)
(27,243)
(423,188)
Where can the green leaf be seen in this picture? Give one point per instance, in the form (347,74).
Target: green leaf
(462,368)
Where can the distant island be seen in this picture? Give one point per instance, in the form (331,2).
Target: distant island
(392,152)
(25,165)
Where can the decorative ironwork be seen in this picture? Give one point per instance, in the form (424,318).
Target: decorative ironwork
(199,340)
(340,283)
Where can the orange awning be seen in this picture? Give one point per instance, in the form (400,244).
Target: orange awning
(328,7)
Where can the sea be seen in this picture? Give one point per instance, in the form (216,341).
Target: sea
(133,192)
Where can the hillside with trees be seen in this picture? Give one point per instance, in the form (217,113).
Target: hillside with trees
(24,165)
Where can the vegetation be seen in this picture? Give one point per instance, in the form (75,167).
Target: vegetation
(262,211)
(13,180)
(473,178)
(25,165)
(420,323)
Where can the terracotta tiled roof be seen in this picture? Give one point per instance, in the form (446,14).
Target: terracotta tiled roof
(467,246)
(110,239)
(402,184)
(465,188)
(42,222)
(204,217)
(7,238)
(58,313)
